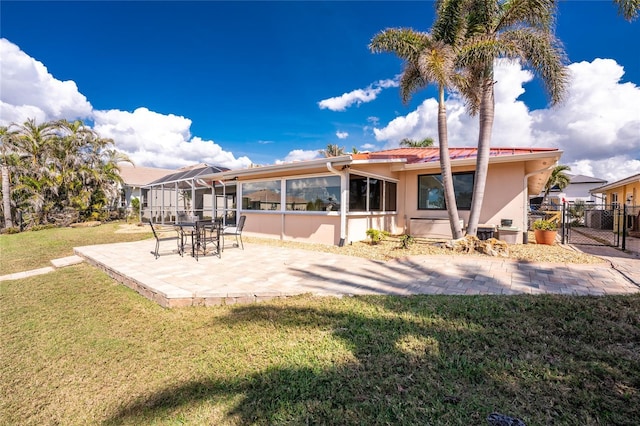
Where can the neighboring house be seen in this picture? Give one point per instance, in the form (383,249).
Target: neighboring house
(623,192)
(335,200)
(136,177)
(579,188)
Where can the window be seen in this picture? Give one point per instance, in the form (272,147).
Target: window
(431,191)
(371,194)
(313,194)
(261,195)
(615,204)
(390,196)
(357,193)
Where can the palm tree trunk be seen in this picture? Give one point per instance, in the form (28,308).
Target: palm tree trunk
(445,166)
(487,112)
(6,197)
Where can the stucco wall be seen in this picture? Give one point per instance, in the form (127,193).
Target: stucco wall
(503,199)
(316,228)
(359,223)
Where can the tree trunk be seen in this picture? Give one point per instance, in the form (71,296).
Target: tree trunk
(445,166)
(487,112)
(6,197)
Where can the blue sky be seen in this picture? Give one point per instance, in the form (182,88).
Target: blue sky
(234,83)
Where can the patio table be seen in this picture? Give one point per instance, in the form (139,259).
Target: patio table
(197,231)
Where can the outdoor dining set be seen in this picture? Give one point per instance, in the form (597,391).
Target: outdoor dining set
(197,237)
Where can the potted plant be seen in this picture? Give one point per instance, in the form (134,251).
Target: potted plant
(545,231)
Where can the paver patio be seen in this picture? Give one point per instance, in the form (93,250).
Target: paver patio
(263,272)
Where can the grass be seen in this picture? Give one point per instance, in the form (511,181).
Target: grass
(79,349)
(32,250)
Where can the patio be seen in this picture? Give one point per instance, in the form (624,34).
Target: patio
(263,272)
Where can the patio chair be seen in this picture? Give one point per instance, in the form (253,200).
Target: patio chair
(205,239)
(207,233)
(159,235)
(235,230)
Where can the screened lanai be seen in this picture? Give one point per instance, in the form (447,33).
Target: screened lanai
(191,193)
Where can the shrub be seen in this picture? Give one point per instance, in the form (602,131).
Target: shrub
(376,235)
(406,241)
(544,225)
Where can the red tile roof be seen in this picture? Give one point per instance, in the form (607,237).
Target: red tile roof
(432,154)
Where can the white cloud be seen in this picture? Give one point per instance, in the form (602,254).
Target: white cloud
(342,135)
(161,140)
(28,90)
(597,126)
(299,155)
(358,96)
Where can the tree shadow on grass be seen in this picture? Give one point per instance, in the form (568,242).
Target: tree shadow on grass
(393,376)
(424,360)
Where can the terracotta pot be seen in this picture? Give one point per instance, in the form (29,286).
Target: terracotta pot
(545,237)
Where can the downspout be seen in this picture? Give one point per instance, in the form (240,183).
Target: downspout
(525,235)
(343,201)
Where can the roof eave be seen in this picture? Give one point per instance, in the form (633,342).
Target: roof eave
(342,160)
(492,160)
(613,185)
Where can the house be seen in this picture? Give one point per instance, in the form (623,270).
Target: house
(579,188)
(336,200)
(135,178)
(624,192)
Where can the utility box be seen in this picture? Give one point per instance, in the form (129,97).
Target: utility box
(485,231)
(508,234)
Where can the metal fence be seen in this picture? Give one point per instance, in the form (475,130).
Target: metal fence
(602,224)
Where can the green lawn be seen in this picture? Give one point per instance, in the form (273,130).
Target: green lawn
(77,348)
(31,250)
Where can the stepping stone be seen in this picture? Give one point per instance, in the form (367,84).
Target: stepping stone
(66,261)
(25,274)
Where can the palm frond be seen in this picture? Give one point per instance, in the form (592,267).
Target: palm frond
(404,42)
(629,9)
(532,13)
(411,81)
(544,54)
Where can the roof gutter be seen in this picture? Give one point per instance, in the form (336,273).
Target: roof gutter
(344,199)
(299,165)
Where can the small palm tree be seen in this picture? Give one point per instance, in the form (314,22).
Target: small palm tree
(556,178)
(332,150)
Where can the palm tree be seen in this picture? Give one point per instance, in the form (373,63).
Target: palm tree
(35,183)
(410,143)
(556,178)
(5,159)
(431,59)
(512,29)
(332,150)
